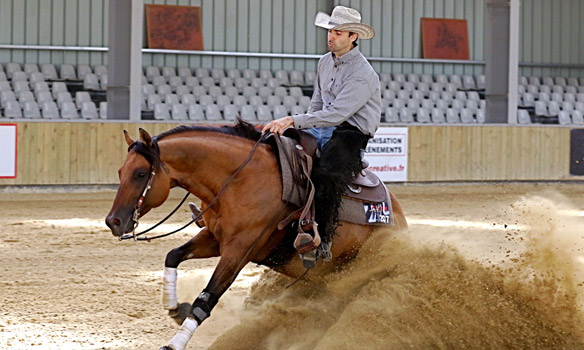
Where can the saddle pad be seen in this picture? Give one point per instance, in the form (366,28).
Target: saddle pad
(366,212)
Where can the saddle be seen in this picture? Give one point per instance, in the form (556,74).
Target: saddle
(366,201)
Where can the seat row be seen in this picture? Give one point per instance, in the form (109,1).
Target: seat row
(50,110)
(213,112)
(413,103)
(465,82)
(433,115)
(289,102)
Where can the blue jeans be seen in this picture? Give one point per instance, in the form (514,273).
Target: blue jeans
(322,134)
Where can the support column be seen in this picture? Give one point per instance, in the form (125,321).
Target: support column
(502,41)
(124,94)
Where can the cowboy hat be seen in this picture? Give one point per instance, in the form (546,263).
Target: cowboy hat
(344,18)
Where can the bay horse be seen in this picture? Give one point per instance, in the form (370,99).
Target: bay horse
(240,224)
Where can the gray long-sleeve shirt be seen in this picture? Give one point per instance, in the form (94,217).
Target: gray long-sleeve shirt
(346,89)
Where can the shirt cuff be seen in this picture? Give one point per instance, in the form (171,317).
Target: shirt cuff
(300,121)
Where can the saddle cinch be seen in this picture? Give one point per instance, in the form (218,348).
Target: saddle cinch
(366,201)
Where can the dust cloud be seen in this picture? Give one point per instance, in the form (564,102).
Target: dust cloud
(409,291)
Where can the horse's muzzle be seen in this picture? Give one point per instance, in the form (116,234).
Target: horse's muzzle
(118,226)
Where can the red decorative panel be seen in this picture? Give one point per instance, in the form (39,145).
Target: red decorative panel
(174,27)
(445,38)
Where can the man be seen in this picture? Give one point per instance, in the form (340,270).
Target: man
(344,113)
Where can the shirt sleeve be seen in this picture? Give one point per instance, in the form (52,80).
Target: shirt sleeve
(316,100)
(353,95)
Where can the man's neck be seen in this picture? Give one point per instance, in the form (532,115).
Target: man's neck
(337,55)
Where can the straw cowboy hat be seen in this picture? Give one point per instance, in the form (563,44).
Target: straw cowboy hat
(344,18)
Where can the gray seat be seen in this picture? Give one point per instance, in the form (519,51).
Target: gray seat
(264,113)
(467,116)
(184,73)
(230,112)
(89,110)
(279,112)
(50,110)
(248,113)
(62,97)
(91,82)
(205,101)
(179,112)
(423,115)
(67,72)
(103,110)
(564,118)
(168,72)
(196,112)
(438,116)
(523,117)
(391,115)
(161,111)
(12,109)
(49,71)
(80,97)
(452,115)
(69,110)
(212,112)
(31,110)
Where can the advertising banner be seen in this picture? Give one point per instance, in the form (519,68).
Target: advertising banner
(7,150)
(387,154)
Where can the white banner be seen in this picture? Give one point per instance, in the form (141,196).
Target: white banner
(7,150)
(387,154)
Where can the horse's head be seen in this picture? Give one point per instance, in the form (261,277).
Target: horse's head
(144,184)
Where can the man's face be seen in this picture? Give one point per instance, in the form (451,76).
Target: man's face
(339,41)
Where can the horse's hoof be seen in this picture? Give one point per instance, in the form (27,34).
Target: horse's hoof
(166,348)
(180,313)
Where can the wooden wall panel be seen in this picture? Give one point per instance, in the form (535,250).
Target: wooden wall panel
(90,153)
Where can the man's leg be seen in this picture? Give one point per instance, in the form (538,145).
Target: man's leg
(340,160)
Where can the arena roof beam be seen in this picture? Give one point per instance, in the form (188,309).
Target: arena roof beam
(125,59)
(502,60)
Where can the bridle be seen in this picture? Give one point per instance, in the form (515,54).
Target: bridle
(136,215)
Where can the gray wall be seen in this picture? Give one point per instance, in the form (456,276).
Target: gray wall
(550,32)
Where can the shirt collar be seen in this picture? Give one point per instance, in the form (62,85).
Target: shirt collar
(354,52)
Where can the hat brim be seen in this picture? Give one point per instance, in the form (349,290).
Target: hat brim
(323,20)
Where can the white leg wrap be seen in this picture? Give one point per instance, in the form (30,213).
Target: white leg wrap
(169,299)
(184,334)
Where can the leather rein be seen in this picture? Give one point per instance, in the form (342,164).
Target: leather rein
(136,215)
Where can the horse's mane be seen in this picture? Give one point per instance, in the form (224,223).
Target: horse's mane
(152,154)
(240,129)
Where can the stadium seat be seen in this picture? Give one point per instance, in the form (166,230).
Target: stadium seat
(467,116)
(222,101)
(214,91)
(279,111)
(423,115)
(265,74)
(468,82)
(7,96)
(241,83)
(264,113)
(12,67)
(191,82)
(19,76)
(199,91)
(523,117)
(174,82)
(256,101)
(391,115)
(161,111)
(31,110)
(12,109)
(577,117)
(304,101)
(258,83)
(406,115)
(50,110)
(231,92)
(233,73)
(541,109)
(573,82)
(225,82)
(49,71)
(182,90)
(248,113)
(239,101)
(25,96)
(207,81)
(309,77)
(217,74)
(201,73)
(171,99)
(274,101)
(62,97)
(296,78)
(249,74)
(69,110)
(89,110)
(230,112)
(264,92)
(188,99)
(168,72)
(206,100)
(438,116)
(91,82)
(452,116)
(184,73)
(103,110)
(564,118)
(36,77)
(196,112)
(456,80)
(297,110)
(178,112)
(152,100)
(67,72)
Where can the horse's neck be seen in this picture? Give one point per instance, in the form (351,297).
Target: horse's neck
(203,164)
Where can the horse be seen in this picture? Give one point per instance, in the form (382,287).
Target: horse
(241,210)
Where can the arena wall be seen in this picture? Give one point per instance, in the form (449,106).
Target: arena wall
(84,153)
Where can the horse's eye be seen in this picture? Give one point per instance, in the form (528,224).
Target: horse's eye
(140,174)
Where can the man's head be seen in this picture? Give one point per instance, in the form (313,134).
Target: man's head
(341,41)
(344,25)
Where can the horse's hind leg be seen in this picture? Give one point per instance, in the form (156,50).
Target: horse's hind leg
(203,245)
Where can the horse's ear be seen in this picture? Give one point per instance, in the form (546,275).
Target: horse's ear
(129,140)
(145,137)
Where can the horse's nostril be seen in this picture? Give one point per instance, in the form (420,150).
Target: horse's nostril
(116,221)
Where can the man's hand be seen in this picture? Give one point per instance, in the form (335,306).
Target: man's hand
(279,125)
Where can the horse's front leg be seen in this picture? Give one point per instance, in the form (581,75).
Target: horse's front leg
(203,245)
(233,259)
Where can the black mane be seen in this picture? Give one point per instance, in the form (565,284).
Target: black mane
(240,129)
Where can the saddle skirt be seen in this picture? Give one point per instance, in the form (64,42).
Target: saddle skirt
(365,202)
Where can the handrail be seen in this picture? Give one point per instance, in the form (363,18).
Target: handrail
(281,55)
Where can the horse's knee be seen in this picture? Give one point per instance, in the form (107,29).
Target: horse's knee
(173,258)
